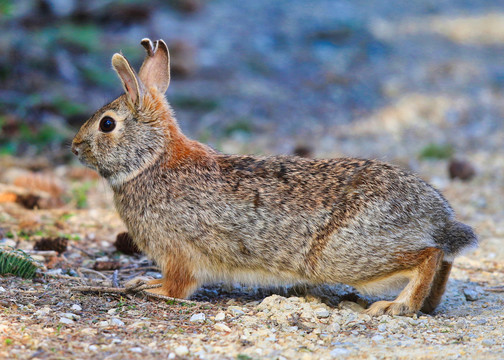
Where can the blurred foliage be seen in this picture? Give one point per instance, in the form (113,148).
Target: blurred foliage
(54,66)
(437,151)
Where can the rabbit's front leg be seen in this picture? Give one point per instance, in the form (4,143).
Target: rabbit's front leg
(178,280)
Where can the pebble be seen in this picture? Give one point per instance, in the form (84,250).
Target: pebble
(76,307)
(236,310)
(488,342)
(382,327)
(350,305)
(103,323)
(136,349)
(65,320)
(337,352)
(7,242)
(220,316)
(93,348)
(377,338)
(199,318)
(2,289)
(116,322)
(181,350)
(222,327)
(71,316)
(471,295)
(322,313)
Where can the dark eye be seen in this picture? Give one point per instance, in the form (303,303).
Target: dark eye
(107,124)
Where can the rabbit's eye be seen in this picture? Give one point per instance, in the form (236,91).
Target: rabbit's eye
(107,124)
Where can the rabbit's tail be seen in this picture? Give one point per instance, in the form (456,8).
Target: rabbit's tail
(455,239)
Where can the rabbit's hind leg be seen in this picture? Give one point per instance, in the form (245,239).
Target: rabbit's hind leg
(421,277)
(438,287)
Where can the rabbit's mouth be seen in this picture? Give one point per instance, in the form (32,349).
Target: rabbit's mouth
(83,155)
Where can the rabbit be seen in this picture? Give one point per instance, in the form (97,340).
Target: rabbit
(205,217)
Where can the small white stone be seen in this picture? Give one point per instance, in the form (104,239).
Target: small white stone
(71,316)
(7,242)
(103,323)
(136,349)
(334,327)
(42,312)
(116,322)
(111,311)
(377,338)
(200,317)
(93,348)
(488,342)
(65,320)
(236,310)
(171,356)
(321,313)
(181,350)
(76,307)
(222,327)
(2,289)
(337,352)
(382,327)
(220,316)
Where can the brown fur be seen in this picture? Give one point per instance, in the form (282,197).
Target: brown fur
(410,300)
(438,288)
(205,217)
(177,279)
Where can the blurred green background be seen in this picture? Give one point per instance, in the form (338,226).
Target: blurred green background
(422,79)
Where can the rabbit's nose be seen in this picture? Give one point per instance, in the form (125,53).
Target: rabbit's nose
(75,149)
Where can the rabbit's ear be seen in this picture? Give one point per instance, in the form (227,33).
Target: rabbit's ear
(132,85)
(155,70)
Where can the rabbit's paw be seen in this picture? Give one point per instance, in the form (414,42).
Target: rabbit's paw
(389,308)
(141,280)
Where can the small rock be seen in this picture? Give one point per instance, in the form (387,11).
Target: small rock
(334,327)
(43,312)
(382,327)
(461,169)
(136,349)
(2,289)
(350,305)
(471,295)
(488,342)
(112,311)
(171,356)
(181,350)
(103,323)
(71,316)
(65,320)
(377,338)
(76,307)
(7,242)
(93,348)
(220,316)
(222,327)
(322,313)
(236,310)
(116,322)
(337,352)
(461,324)
(200,317)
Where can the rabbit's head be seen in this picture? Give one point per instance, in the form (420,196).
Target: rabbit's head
(131,132)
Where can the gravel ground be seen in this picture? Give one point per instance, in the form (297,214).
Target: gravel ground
(357,78)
